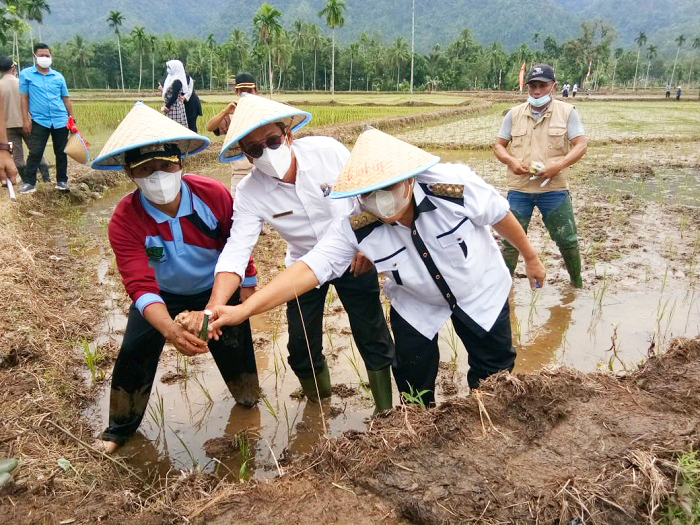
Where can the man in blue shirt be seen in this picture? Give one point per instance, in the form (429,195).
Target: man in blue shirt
(46,107)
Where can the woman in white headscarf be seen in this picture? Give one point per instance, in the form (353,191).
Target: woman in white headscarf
(174,86)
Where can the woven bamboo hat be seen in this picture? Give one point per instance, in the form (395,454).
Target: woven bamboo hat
(253,112)
(77,149)
(144,126)
(379,160)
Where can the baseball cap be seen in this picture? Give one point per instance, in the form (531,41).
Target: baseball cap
(541,72)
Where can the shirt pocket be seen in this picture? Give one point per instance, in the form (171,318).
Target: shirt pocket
(518,136)
(556,139)
(393,265)
(454,242)
(157,254)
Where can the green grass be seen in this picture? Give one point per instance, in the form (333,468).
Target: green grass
(684,507)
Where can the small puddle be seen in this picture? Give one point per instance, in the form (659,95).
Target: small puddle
(204,428)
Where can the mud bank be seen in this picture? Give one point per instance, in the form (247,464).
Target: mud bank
(547,448)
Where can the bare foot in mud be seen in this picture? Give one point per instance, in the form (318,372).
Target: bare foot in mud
(108,447)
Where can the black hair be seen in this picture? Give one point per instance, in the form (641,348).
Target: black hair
(41,45)
(5,64)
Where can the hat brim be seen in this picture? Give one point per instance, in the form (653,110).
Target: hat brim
(294,120)
(542,79)
(115,160)
(387,182)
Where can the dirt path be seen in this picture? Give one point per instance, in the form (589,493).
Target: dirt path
(558,446)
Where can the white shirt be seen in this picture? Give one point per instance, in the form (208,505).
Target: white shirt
(301,212)
(457,236)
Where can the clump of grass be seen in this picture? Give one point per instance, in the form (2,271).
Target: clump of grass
(92,360)
(352,358)
(684,507)
(414,397)
(245,452)
(451,341)
(157,411)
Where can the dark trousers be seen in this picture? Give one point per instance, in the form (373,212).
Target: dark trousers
(135,369)
(360,297)
(37,144)
(417,357)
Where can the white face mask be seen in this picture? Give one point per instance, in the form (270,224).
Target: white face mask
(388,203)
(275,162)
(43,61)
(160,187)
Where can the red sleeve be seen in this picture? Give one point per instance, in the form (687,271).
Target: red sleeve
(251,270)
(127,236)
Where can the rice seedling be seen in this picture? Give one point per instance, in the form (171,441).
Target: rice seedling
(290,424)
(414,397)
(598,296)
(92,360)
(354,364)
(202,387)
(193,459)
(245,454)
(182,365)
(157,412)
(270,408)
(451,341)
(534,297)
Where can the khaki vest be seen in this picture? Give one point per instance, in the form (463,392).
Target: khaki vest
(544,141)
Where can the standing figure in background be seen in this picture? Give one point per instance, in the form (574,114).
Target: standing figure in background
(7,165)
(9,87)
(46,107)
(574,90)
(219,123)
(538,141)
(193,106)
(679,91)
(565,91)
(173,86)
(668,89)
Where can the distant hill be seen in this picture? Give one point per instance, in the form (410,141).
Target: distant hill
(437,21)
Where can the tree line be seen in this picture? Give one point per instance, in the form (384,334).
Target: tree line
(304,58)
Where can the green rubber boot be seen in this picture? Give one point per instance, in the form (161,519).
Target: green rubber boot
(308,385)
(562,229)
(380,385)
(510,253)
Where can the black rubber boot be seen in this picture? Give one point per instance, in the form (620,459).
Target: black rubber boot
(380,385)
(561,226)
(510,253)
(323,378)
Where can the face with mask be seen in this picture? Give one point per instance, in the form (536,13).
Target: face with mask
(539,93)
(158,179)
(43,58)
(389,203)
(269,149)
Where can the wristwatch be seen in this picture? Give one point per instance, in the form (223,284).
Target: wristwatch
(6,146)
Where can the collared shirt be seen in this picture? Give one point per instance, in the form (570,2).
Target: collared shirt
(175,254)
(446,263)
(46,94)
(301,212)
(9,88)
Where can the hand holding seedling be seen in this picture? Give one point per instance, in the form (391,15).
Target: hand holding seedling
(225,315)
(552,170)
(536,274)
(185,342)
(191,321)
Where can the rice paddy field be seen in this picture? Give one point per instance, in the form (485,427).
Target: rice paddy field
(599,424)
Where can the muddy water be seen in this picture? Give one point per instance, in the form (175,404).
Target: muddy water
(610,324)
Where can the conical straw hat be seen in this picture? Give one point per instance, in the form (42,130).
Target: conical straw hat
(379,160)
(77,149)
(143,126)
(253,112)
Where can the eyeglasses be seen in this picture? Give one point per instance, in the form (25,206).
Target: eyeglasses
(256,150)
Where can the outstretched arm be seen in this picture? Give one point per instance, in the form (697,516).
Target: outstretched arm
(291,283)
(509,228)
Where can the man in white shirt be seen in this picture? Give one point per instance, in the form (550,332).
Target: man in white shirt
(289,189)
(427,228)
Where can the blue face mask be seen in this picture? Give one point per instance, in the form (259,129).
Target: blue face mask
(539,102)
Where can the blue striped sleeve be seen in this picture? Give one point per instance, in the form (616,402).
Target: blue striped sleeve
(146,299)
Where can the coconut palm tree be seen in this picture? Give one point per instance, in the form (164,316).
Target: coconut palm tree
(694,45)
(333,13)
(81,54)
(33,11)
(140,39)
(618,53)
(267,25)
(354,49)
(398,54)
(152,42)
(211,46)
(314,40)
(298,39)
(115,21)
(679,42)
(640,41)
(651,55)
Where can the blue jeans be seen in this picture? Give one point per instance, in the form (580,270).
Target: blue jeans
(523,204)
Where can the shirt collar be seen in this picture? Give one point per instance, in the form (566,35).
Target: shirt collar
(51,71)
(423,203)
(184,209)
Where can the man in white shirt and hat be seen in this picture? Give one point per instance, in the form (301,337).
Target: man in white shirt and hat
(289,189)
(166,237)
(427,229)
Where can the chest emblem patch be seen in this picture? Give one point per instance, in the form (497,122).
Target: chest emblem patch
(155,253)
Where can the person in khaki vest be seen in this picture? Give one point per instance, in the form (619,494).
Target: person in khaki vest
(538,141)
